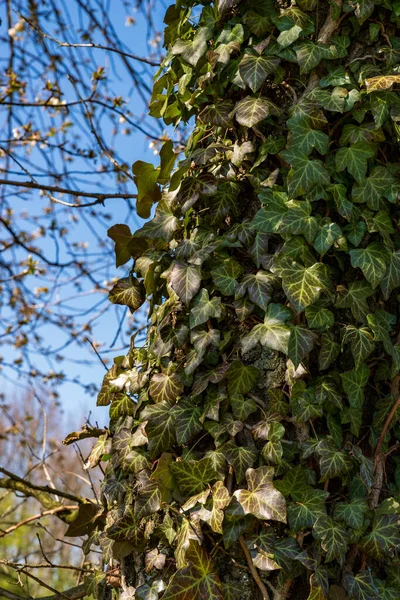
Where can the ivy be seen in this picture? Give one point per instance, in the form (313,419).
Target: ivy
(258,413)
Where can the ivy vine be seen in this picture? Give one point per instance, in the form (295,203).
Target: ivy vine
(253,437)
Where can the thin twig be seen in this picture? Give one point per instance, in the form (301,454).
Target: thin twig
(253,570)
(385,429)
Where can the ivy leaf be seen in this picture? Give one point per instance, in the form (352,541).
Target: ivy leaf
(241,378)
(371,189)
(261,499)
(254,69)
(352,513)
(187,420)
(326,237)
(242,408)
(361,343)
(303,285)
(220,500)
(354,159)
(145,177)
(298,220)
(326,390)
(128,291)
(332,462)
(305,139)
(192,50)
(126,245)
(162,226)
(329,351)
(333,536)
(381,325)
(354,297)
(273,333)
(309,55)
(251,111)
(363,9)
(204,309)
(306,510)
(270,217)
(372,260)
(319,318)
(381,82)
(361,586)
(294,483)
(185,280)
(287,37)
(305,173)
(148,500)
(384,538)
(218,114)
(225,275)
(196,581)
(240,457)
(160,428)
(258,286)
(88,516)
(301,342)
(165,387)
(391,279)
(192,476)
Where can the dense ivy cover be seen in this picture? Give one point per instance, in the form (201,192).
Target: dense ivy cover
(252,441)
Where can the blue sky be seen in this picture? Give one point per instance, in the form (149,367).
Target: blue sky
(75,402)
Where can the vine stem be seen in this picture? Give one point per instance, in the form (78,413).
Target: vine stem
(253,569)
(385,429)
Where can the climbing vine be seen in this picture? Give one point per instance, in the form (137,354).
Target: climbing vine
(252,442)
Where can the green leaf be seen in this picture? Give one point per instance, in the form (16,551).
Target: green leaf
(391,279)
(165,387)
(363,9)
(160,428)
(352,513)
(251,111)
(298,220)
(218,114)
(242,408)
(333,536)
(384,539)
(326,390)
(309,55)
(85,521)
(196,581)
(241,378)
(204,309)
(168,157)
(273,333)
(258,287)
(355,232)
(187,421)
(354,159)
(329,352)
(225,275)
(126,246)
(128,291)
(381,325)
(192,476)
(361,343)
(305,511)
(220,500)
(148,499)
(192,50)
(319,318)
(254,69)
(162,226)
(185,280)
(361,586)
(145,176)
(240,457)
(305,173)
(332,462)
(372,260)
(326,237)
(371,189)
(305,139)
(294,483)
(301,342)
(303,285)
(287,37)
(261,499)
(354,297)
(270,217)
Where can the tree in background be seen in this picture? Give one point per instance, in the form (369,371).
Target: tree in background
(251,450)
